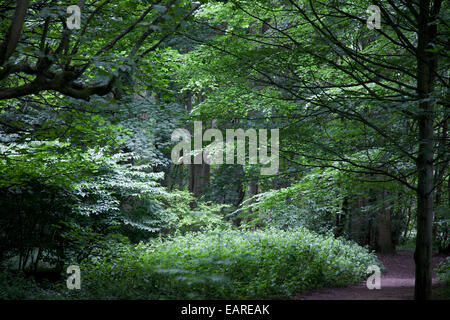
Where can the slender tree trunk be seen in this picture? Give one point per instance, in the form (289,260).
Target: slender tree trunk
(36,262)
(200,178)
(426,67)
(384,239)
(408,221)
(422,255)
(253,188)
(199,174)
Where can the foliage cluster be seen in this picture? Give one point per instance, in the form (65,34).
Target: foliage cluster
(224,265)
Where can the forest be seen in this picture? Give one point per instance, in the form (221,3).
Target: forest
(216,150)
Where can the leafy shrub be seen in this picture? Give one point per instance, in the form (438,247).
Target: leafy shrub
(224,265)
(443,272)
(16,286)
(276,209)
(313,202)
(441,227)
(31,223)
(181,218)
(43,219)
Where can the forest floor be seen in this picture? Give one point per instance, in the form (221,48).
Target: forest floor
(397,282)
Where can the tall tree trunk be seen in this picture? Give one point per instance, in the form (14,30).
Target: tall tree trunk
(253,188)
(384,236)
(408,221)
(199,178)
(426,67)
(199,174)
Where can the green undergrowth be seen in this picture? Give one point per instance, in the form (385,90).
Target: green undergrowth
(224,265)
(443,272)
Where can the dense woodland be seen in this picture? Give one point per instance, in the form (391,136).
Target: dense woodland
(86,122)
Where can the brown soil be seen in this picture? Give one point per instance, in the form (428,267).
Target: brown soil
(397,281)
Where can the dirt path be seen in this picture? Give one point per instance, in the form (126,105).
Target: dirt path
(397,282)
